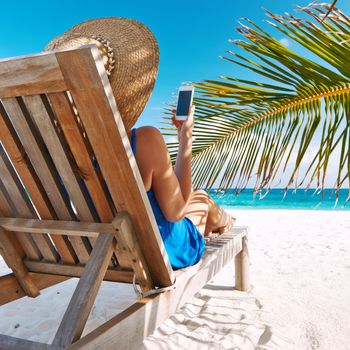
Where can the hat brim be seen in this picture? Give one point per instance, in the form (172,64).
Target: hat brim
(136,55)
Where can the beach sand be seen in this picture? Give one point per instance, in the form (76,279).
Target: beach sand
(300,297)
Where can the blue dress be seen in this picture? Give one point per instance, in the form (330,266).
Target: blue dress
(183,242)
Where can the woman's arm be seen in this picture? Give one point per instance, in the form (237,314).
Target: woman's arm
(183,168)
(172,187)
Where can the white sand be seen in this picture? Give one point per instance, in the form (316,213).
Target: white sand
(300,298)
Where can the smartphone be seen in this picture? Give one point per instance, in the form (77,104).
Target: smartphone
(184,102)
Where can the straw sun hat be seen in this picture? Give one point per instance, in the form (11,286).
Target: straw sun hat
(130,55)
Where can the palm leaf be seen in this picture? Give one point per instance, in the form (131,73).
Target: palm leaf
(246,129)
(330,9)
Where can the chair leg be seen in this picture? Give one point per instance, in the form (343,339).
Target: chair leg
(13,259)
(77,313)
(242,267)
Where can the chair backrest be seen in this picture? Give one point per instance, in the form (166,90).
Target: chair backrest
(65,155)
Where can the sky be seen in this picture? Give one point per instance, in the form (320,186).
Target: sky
(191,34)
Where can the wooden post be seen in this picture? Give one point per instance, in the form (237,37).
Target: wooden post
(242,267)
(73,322)
(14,261)
(127,240)
(93,97)
(10,288)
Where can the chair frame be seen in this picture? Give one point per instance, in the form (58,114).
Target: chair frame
(49,109)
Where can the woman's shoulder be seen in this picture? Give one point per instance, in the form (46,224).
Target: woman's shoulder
(148,130)
(149,135)
(152,147)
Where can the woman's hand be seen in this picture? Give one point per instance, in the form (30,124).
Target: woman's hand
(184,127)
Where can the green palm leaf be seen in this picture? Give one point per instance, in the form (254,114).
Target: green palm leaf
(254,129)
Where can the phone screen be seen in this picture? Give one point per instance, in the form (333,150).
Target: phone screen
(183,103)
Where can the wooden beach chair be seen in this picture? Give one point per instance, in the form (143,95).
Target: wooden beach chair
(62,215)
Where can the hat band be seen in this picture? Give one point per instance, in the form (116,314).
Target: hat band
(78,39)
(109,52)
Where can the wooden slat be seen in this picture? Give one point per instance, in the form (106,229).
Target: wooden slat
(125,276)
(59,155)
(14,254)
(77,144)
(14,261)
(79,308)
(32,183)
(82,153)
(121,226)
(29,243)
(44,172)
(10,289)
(30,75)
(5,209)
(126,238)
(12,343)
(57,227)
(33,150)
(93,97)
(150,312)
(23,206)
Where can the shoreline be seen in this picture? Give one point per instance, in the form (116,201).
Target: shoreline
(231,207)
(278,199)
(300,277)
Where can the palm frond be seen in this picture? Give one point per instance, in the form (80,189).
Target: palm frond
(246,128)
(331,7)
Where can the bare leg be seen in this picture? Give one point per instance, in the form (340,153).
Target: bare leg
(218,220)
(207,215)
(198,210)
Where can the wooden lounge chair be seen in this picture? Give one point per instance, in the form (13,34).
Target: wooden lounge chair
(62,216)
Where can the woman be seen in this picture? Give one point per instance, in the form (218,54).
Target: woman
(130,55)
(183,216)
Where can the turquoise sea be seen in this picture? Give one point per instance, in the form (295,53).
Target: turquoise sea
(277,199)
